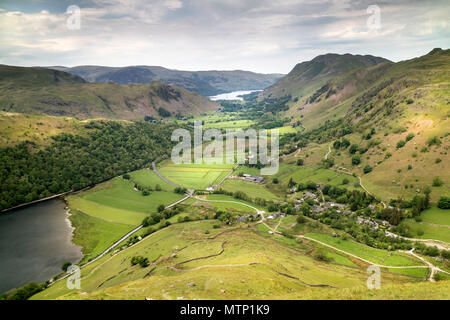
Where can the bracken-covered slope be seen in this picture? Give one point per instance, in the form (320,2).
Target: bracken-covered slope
(39,90)
(206,83)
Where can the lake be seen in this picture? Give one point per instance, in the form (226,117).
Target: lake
(231,95)
(35,241)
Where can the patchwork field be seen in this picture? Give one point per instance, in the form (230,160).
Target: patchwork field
(195,176)
(108,211)
(226,263)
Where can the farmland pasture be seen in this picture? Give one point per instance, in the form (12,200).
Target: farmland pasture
(195,176)
(371,254)
(149,178)
(252,189)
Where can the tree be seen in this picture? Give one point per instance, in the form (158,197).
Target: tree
(126,176)
(161,208)
(353,148)
(299,162)
(401,144)
(158,187)
(66,266)
(275,180)
(356,159)
(426,192)
(444,202)
(367,169)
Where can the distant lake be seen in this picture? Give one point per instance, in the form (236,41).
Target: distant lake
(35,241)
(232,95)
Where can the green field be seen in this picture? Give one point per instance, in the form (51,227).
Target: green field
(284,130)
(378,256)
(117,201)
(226,203)
(422,230)
(231,124)
(95,234)
(436,216)
(148,178)
(253,190)
(195,176)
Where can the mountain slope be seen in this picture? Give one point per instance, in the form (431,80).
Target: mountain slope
(397,117)
(39,90)
(206,83)
(311,75)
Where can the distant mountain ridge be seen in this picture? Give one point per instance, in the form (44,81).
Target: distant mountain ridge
(206,83)
(53,92)
(308,76)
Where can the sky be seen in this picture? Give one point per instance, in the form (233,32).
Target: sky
(267,36)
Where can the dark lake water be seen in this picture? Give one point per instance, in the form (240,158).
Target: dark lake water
(34,243)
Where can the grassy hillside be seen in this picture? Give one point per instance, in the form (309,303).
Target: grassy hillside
(225,263)
(397,117)
(207,83)
(52,92)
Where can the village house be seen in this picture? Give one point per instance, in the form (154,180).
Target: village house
(372,224)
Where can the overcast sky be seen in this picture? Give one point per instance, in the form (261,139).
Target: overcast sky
(258,35)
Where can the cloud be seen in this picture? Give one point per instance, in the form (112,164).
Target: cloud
(258,35)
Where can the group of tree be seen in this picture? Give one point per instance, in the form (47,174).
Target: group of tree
(73,161)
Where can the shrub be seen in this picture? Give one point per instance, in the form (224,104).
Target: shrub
(438,160)
(65,266)
(356,159)
(401,144)
(353,148)
(345,181)
(275,180)
(322,256)
(437,182)
(367,169)
(434,141)
(409,136)
(299,162)
(409,167)
(126,176)
(444,202)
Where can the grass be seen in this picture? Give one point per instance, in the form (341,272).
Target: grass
(425,231)
(436,216)
(284,130)
(237,206)
(253,190)
(229,263)
(195,176)
(149,178)
(120,195)
(95,235)
(373,255)
(231,124)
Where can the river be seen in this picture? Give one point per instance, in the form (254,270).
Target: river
(232,95)
(34,243)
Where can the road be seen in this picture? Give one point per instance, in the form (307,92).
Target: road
(162,177)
